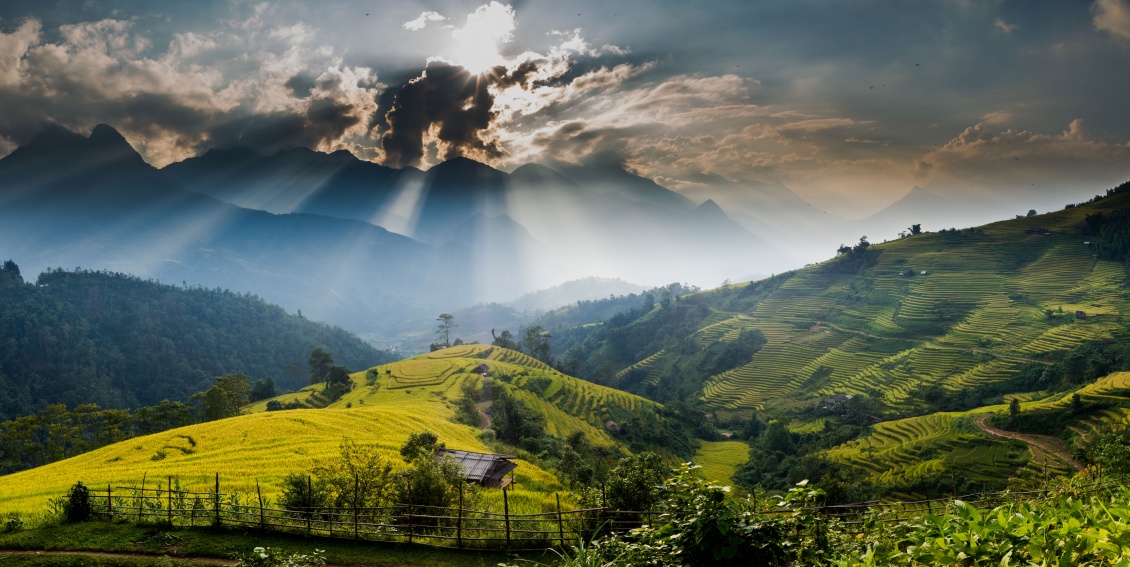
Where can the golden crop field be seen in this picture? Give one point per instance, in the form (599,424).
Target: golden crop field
(720,460)
(386,404)
(261,447)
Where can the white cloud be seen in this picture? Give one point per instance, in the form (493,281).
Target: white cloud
(1112,16)
(172,104)
(1003,26)
(984,155)
(998,117)
(422,21)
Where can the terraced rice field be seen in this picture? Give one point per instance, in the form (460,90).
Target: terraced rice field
(898,453)
(261,447)
(977,315)
(720,460)
(405,396)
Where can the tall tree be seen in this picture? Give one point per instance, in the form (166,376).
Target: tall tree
(536,341)
(225,397)
(320,363)
(446,325)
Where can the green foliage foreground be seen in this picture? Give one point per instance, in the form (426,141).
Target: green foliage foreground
(1073,524)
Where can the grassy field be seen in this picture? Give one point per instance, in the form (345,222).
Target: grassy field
(963,309)
(434,381)
(720,459)
(182,544)
(262,447)
(942,311)
(386,405)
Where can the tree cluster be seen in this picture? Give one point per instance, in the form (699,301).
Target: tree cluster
(362,477)
(79,337)
(56,432)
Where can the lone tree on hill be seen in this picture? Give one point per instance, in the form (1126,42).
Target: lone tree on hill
(536,342)
(320,363)
(446,325)
(915,229)
(1014,407)
(225,397)
(505,340)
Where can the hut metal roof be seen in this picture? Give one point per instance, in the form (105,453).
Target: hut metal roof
(480,466)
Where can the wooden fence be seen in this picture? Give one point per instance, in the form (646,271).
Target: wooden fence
(411,523)
(470,529)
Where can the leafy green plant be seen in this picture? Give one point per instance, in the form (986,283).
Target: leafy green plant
(268,557)
(13,523)
(77,507)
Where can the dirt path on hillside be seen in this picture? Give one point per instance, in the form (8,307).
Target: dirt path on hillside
(482,411)
(1045,443)
(193,560)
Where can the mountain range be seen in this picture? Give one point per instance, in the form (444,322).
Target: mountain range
(303,228)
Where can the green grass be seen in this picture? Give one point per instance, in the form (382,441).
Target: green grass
(975,317)
(181,543)
(263,447)
(720,459)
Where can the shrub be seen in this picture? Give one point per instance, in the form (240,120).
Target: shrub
(14,523)
(267,557)
(77,507)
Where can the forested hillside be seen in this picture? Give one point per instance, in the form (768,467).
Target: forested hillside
(81,337)
(871,344)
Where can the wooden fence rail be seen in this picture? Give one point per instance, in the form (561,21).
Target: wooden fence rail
(413,523)
(462,527)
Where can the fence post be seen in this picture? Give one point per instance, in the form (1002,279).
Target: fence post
(110,502)
(309,495)
(356,492)
(506,515)
(217,505)
(409,511)
(560,525)
(262,519)
(170,499)
(141,503)
(1045,477)
(459,519)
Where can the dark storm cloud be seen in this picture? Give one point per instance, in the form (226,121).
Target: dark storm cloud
(169,104)
(323,120)
(449,97)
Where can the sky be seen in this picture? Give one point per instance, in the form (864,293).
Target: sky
(849,104)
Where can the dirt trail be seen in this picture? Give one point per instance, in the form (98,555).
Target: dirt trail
(215,561)
(1046,443)
(482,406)
(194,560)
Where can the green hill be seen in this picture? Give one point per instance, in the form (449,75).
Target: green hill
(385,405)
(955,319)
(440,380)
(79,337)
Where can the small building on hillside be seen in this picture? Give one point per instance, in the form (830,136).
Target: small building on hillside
(837,402)
(1080,315)
(482,369)
(485,469)
(613,428)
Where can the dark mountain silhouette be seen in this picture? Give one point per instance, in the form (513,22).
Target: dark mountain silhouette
(920,206)
(610,178)
(71,201)
(592,220)
(296,180)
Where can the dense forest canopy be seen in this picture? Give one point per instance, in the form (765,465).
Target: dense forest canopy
(82,337)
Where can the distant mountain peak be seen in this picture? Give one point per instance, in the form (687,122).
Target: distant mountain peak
(460,162)
(106,135)
(709,208)
(53,135)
